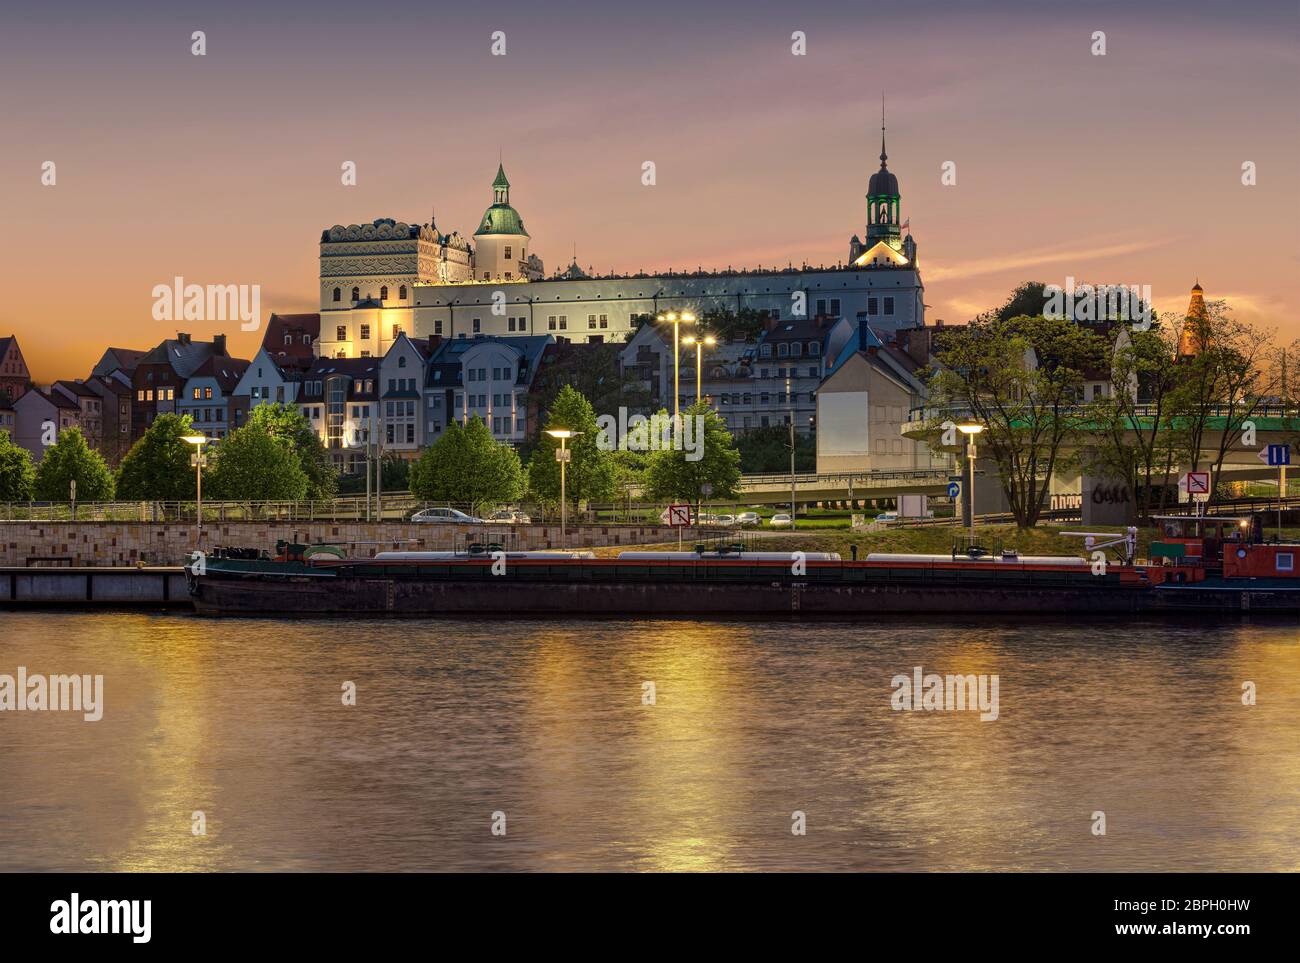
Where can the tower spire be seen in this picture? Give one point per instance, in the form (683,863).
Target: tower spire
(883,156)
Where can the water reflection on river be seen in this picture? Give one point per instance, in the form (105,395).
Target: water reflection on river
(544,721)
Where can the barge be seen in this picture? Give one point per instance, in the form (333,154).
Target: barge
(1200,565)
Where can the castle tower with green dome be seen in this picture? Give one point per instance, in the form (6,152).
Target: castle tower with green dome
(501,242)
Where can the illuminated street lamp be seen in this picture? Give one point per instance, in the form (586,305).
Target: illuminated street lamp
(676,320)
(563,455)
(699,343)
(970,430)
(197,460)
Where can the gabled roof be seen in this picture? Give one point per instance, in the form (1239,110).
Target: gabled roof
(225,371)
(294,325)
(184,357)
(115,359)
(77,388)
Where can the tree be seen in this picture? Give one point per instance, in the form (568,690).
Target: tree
(287,425)
(250,465)
(71,459)
(711,458)
(590,475)
(1135,435)
(17,476)
(767,450)
(1022,380)
(1221,386)
(466,464)
(158,465)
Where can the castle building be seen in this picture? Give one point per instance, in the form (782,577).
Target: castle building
(388,278)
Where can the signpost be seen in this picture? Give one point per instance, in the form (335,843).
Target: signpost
(1194,486)
(679,517)
(1278,456)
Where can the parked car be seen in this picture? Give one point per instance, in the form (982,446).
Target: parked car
(446,516)
(748,518)
(726,521)
(781,520)
(887,517)
(510,516)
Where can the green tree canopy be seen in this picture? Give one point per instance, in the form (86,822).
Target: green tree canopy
(767,450)
(466,464)
(158,465)
(17,476)
(287,425)
(680,474)
(250,465)
(68,459)
(1022,380)
(591,474)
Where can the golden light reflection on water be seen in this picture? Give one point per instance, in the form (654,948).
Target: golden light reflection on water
(545,721)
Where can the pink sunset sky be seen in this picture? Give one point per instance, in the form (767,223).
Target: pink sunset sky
(1124,168)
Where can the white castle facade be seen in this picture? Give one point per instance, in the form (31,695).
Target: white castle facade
(388,278)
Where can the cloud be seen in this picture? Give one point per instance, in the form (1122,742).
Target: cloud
(1018,262)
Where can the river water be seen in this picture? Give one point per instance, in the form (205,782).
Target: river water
(547,724)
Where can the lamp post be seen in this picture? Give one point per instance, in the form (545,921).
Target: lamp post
(970,430)
(563,456)
(699,343)
(676,320)
(790,403)
(198,441)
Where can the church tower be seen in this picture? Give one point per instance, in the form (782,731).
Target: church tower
(885,245)
(501,243)
(1191,340)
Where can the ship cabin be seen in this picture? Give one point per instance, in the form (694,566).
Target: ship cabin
(1235,544)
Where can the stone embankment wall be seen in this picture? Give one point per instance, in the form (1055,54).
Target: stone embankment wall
(126,543)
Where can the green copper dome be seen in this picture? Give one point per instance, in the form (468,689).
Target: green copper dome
(501,219)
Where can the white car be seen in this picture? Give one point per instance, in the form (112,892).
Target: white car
(726,521)
(510,516)
(781,520)
(446,516)
(887,517)
(748,518)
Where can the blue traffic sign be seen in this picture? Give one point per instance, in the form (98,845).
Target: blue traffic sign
(1279,454)
(954,489)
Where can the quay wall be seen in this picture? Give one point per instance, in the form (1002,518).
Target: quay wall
(167,543)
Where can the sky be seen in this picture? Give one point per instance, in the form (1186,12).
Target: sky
(224,169)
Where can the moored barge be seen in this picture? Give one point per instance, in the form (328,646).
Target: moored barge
(1201,565)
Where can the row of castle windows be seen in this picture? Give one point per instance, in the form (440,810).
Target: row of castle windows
(383,293)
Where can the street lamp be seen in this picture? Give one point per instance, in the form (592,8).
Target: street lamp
(676,320)
(970,430)
(699,343)
(563,455)
(198,441)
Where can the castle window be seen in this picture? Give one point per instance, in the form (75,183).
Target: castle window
(341,333)
(873,305)
(437,327)
(356,294)
(365,332)
(397,330)
(507,252)
(401,361)
(889,305)
(401,293)
(306,339)
(383,293)
(338,294)
(477,326)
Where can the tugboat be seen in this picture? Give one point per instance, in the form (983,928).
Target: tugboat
(1200,565)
